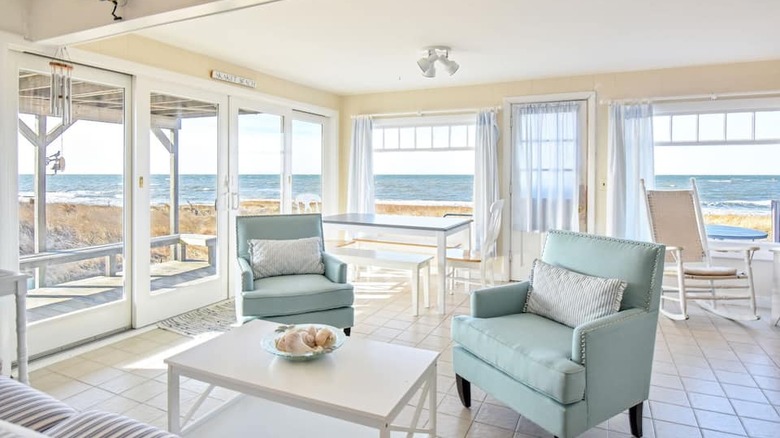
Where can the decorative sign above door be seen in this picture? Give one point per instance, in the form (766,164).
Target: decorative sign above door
(233,79)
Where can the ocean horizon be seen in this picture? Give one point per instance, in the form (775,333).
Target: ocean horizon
(720,194)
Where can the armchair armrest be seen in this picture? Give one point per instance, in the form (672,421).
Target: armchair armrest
(617,352)
(335,269)
(247,276)
(502,300)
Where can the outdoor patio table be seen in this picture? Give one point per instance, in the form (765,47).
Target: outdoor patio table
(438,227)
(732,232)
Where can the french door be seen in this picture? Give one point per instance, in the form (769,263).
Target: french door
(551,172)
(75,203)
(182,183)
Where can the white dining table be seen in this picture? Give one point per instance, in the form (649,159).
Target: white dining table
(438,227)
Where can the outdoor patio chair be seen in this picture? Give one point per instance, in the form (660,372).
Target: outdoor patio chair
(483,260)
(292,299)
(676,221)
(566,379)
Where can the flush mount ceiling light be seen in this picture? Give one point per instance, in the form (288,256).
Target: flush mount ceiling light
(437,53)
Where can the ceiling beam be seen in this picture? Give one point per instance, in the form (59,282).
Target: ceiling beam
(66,22)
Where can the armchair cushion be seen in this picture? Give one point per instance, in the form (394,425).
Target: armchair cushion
(294,294)
(533,350)
(572,298)
(286,257)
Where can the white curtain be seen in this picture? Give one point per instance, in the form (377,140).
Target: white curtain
(630,160)
(360,192)
(547,160)
(485,172)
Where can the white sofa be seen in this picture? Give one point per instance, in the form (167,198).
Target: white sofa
(27,412)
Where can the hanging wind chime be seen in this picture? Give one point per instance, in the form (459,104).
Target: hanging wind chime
(61,90)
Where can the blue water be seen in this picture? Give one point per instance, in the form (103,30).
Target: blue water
(201,189)
(742,194)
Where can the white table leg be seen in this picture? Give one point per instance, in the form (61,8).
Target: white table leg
(415,281)
(441,254)
(174,421)
(427,284)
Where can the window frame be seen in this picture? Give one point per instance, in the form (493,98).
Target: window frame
(422,121)
(725,107)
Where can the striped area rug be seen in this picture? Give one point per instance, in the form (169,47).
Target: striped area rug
(216,318)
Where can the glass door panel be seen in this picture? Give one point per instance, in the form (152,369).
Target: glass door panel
(73,213)
(183,192)
(306,166)
(260,162)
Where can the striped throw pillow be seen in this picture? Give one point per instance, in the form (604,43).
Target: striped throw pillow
(97,424)
(286,257)
(572,298)
(30,408)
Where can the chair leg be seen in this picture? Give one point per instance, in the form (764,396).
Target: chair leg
(464,390)
(635,419)
(348,331)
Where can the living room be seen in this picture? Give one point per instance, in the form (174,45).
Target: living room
(119,239)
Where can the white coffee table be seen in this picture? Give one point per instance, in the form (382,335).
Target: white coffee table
(364,382)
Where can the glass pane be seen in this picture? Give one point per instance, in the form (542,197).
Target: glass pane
(391,138)
(441,136)
(424,137)
(662,128)
(739,126)
(684,128)
(306,167)
(183,191)
(377,138)
(768,125)
(406,137)
(71,217)
(712,127)
(472,135)
(458,136)
(260,145)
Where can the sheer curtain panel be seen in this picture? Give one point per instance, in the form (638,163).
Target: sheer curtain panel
(360,192)
(548,156)
(630,159)
(485,172)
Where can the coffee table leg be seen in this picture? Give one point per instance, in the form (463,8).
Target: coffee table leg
(432,400)
(174,422)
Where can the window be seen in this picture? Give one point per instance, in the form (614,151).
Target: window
(732,149)
(424,165)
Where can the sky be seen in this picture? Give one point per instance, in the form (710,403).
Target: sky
(96,148)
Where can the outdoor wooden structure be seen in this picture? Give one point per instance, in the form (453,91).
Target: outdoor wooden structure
(99,103)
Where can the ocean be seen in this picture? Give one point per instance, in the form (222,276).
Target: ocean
(201,189)
(738,194)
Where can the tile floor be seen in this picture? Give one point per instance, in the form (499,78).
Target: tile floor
(711,377)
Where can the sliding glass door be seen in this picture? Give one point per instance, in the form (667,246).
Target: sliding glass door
(306,163)
(74,205)
(184,231)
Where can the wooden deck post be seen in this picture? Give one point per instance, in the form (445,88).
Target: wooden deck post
(40,232)
(171,144)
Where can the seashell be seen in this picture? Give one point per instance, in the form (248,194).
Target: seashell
(325,338)
(296,344)
(308,338)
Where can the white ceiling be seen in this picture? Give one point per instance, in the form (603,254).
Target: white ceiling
(360,46)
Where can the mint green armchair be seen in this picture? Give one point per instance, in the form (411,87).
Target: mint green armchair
(292,299)
(566,380)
